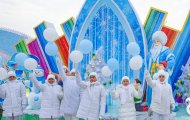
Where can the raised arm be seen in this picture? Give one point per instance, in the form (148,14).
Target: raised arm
(36,83)
(149,79)
(102,101)
(60,69)
(79,81)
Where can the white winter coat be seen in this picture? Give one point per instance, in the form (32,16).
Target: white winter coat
(71,99)
(50,100)
(126,96)
(14,95)
(162,97)
(93,100)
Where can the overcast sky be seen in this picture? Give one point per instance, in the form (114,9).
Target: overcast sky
(24,15)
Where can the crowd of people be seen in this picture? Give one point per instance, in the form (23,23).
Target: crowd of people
(86,99)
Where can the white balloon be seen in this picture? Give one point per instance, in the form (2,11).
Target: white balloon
(187,101)
(76,56)
(106,71)
(30,64)
(136,62)
(50,34)
(3,73)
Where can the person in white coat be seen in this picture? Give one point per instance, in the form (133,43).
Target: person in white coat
(93,98)
(71,99)
(14,94)
(126,93)
(51,97)
(162,98)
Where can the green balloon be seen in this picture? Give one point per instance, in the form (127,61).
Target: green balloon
(176,87)
(110,82)
(182,82)
(104,84)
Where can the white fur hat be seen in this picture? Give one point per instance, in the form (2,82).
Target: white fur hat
(161,36)
(11,73)
(125,78)
(155,76)
(93,74)
(161,72)
(51,76)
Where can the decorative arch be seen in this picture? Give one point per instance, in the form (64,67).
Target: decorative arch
(122,17)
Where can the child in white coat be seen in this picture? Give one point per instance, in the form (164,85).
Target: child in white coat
(126,93)
(51,98)
(71,99)
(93,99)
(14,94)
(162,98)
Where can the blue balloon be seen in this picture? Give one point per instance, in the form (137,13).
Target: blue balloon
(34,57)
(20,58)
(85,46)
(36,98)
(37,91)
(1,61)
(113,64)
(19,72)
(133,48)
(51,49)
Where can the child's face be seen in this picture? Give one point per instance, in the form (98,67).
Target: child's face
(161,78)
(73,74)
(51,81)
(92,78)
(125,82)
(12,78)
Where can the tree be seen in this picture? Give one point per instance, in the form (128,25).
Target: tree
(182,86)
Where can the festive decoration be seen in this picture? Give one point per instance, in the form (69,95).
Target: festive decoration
(187,101)
(50,34)
(113,64)
(20,58)
(182,86)
(76,56)
(51,49)
(106,71)
(30,64)
(96,65)
(3,73)
(34,100)
(188,109)
(136,62)
(39,73)
(85,46)
(133,48)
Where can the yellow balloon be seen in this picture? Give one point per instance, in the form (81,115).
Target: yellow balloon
(94,58)
(188,75)
(178,81)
